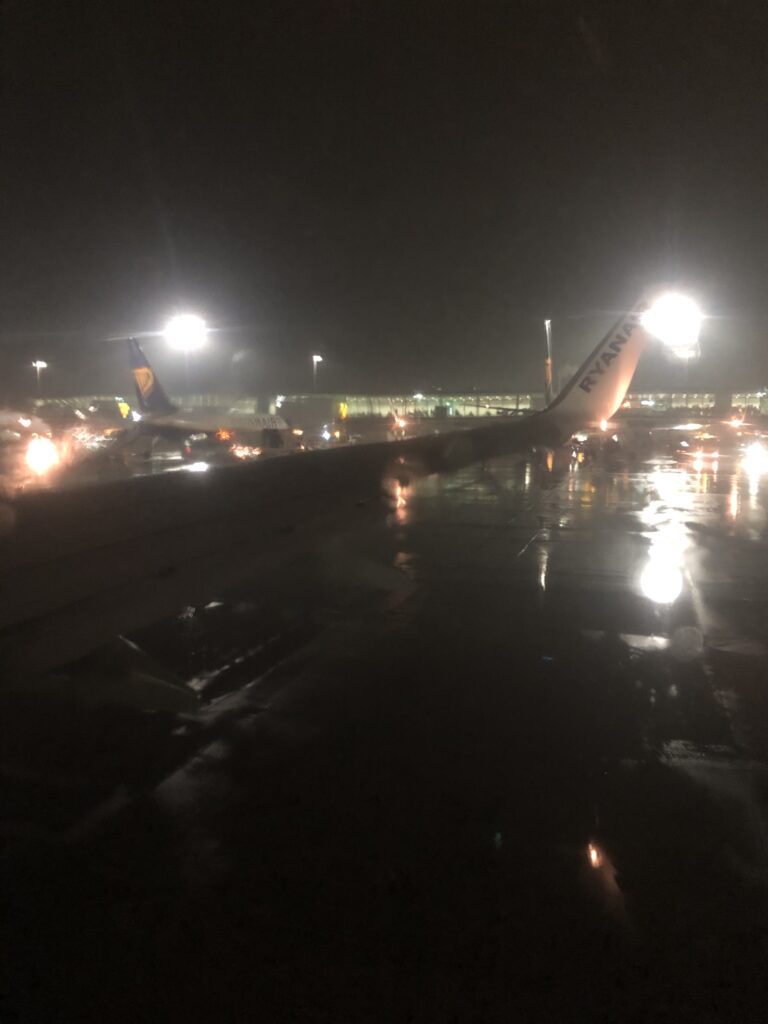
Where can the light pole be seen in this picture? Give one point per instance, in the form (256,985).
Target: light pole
(39,364)
(315,360)
(186,333)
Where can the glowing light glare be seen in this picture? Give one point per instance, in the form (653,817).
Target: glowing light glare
(401,423)
(755,459)
(42,455)
(89,440)
(39,364)
(25,421)
(186,332)
(661,581)
(400,502)
(595,858)
(670,543)
(197,467)
(245,451)
(317,359)
(418,396)
(736,422)
(676,321)
(603,425)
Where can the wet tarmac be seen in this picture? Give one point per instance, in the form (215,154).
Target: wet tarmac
(501,755)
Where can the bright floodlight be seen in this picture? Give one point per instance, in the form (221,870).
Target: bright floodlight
(186,332)
(317,359)
(42,455)
(676,321)
(40,364)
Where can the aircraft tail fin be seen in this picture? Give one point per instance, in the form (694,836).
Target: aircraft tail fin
(599,387)
(149,391)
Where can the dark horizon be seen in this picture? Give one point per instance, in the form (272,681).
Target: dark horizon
(408,190)
(732,359)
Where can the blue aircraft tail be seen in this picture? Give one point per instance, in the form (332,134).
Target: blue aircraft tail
(149,391)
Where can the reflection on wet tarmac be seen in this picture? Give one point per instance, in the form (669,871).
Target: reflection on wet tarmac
(498,778)
(733,498)
(543,559)
(661,579)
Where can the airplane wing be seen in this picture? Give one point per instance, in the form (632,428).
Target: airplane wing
(91,562)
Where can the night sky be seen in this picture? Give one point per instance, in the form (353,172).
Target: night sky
(407,188)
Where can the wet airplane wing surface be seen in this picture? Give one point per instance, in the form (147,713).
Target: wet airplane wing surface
(499,755)
(85,563)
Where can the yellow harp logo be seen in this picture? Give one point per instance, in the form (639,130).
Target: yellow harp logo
(145,380)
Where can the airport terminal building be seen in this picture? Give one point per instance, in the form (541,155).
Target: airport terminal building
(438,404)
(468,404)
